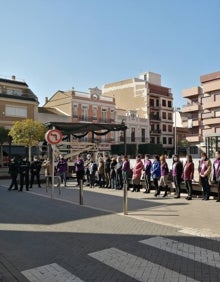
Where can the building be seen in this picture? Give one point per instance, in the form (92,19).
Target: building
(86,107)
(203,112)
(17,102)
(138,128)
(151,101)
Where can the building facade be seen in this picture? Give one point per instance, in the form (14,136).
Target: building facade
(202,111)
(151,101)
(86,107)
(17,102)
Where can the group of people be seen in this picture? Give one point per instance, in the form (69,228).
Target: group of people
(114,173)
(158,171)
(28,171)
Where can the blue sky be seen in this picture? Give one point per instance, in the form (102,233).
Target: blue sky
(58,44)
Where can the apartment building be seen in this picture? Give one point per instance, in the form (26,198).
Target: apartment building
(138,128)
(86,107)
(203,112)
(17,102)
(150,100)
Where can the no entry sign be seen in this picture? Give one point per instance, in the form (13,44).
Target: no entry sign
(53,136)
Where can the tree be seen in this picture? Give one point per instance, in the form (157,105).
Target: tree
(28,133)
(3,138)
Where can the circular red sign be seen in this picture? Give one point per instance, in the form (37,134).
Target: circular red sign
(53,136)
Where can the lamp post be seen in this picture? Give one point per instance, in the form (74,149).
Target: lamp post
(175,133)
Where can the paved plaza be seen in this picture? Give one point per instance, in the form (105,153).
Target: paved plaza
(44,239)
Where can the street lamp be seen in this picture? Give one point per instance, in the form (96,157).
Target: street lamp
(175,133)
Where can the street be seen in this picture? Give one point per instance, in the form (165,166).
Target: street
(44,239)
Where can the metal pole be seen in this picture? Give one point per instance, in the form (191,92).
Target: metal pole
(52,172)
(125,206)
(175,133)
(81,192)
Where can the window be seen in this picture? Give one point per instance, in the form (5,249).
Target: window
(164,140)
(75,110)
(169,104)
(164,115)
(152,140)
(121,138)
(193,150)
(164,127)
(170,140)
(142,134)
(132,134)
(17,92)
(104,115)
(170,128)
(112,115)
(84,113)
(157,103)
(158,140)
(152,102)
(170,116)
(94,113)
(164,104)
(15,111)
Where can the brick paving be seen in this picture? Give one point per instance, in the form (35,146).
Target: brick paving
(37,231)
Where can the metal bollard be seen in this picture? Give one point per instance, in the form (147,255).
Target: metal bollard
(125,207)
(81,192)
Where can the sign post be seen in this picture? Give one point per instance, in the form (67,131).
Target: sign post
(53,137)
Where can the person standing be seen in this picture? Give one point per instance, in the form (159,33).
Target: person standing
(86,165)
(101,174)
(107,170)
(137,171)
(35,168)
(24,167)
(13,171)
(62,169)
(155,172)
(177,171)
(92,172)
(188,175)
(113,173)
(79,169)
(119,180)
(147,172)
(205,168)
(164,172)
(216,166)
(125,171)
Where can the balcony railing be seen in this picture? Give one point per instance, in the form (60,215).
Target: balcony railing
(155,131)
(133,140)
(91,119)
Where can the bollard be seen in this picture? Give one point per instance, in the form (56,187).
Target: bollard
(125,207)
(81,192)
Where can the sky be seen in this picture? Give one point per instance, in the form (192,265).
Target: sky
(59,44)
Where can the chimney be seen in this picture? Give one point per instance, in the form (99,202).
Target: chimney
(46,100)
(13,77)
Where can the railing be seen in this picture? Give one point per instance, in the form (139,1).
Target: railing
(156,131)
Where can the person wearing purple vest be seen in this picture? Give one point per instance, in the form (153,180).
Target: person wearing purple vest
(205,168)
(147,174)
(216,167)
(188,175)
(164,172)
(177,170)
(62,169)
(125,171)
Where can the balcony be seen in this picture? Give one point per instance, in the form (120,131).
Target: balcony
(211,86)
(155,132)
(190,108)
(208,104)
(194,123)
(211,121)
(191,92)
(194,138)
(154,117)
(136,140)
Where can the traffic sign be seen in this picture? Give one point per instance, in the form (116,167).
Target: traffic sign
(53,136)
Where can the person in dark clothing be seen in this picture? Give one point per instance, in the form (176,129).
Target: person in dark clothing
(35,171)
(119,180)
(113,173)
(62,169)
(147,174)
(13,171)
(24,167)
(177,171)
(92,171)
(79,169)
(107,170)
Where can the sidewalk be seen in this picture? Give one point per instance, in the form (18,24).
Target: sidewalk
(194,217)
